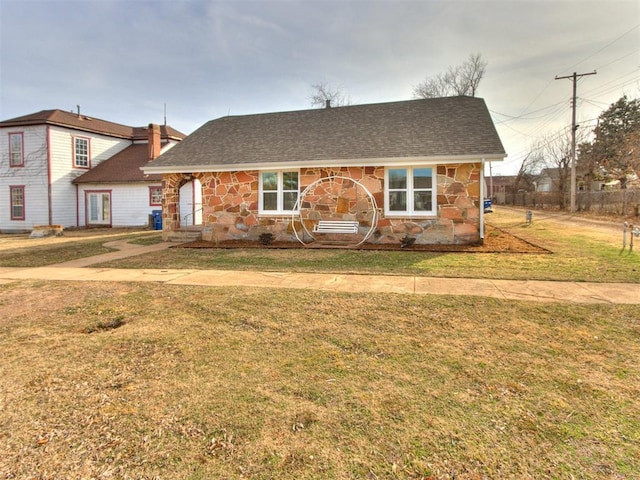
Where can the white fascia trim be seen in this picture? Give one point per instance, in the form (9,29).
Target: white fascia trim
(358,162)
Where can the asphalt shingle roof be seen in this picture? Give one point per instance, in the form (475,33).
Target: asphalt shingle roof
(88,124)
(123,167)
(440,127)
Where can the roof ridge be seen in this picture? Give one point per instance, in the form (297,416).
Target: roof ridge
(356,105)
(79,121)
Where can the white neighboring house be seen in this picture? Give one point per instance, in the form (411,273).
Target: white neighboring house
(63,168)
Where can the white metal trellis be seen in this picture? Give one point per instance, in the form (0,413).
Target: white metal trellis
(298,210)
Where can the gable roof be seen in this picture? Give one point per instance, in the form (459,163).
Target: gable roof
(123,167)
(439,128)
(89,124)
(167,132)
(502,180)
(551,172)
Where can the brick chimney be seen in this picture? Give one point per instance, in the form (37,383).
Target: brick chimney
(154,141)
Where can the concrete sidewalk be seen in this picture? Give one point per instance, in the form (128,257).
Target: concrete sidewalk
(124,250)
(540,291)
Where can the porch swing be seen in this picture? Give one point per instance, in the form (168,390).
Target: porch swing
(334,211)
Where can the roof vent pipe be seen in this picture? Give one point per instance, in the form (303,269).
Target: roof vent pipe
(327,103)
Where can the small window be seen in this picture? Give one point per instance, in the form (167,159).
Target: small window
(278,192)
(410,191)
(81,152)
(16,150)
(155,196)
(17,202)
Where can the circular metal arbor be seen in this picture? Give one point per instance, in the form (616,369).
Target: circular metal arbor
(337,210)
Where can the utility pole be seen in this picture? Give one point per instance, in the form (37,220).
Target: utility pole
(574,127)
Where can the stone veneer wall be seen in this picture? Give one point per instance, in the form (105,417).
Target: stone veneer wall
(230,205)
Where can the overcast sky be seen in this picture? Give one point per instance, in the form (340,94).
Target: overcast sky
(123,60)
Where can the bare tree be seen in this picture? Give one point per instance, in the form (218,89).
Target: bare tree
(323,92)
(556,150)
(457,80)
(529,170)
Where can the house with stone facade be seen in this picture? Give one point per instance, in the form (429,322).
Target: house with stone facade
(380,173)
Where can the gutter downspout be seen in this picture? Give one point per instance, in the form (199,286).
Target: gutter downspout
(481,202)
(49,191)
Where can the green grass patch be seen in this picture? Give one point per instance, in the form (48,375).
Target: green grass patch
(38,253)
(147,239)
(43,255)
(578,254)
(575,260)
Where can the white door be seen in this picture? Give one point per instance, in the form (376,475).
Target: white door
(98,208)
(191,204)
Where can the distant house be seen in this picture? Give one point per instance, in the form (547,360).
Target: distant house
(599,185)
(501,188)
(548,180)
(63,168)
(379,172)
(552,179)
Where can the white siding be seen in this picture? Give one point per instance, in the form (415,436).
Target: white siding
(33,175)
(63,171)
(129,203)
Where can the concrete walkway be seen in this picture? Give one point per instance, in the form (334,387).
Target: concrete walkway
(541,291)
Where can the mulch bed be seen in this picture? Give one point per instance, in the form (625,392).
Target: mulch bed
(496,241)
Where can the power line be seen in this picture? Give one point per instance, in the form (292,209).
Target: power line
(544,143)
(522,117)
(618,59)
(595,93)
(594,102)
(603,48)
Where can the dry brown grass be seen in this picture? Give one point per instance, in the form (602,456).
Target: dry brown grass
(201,383)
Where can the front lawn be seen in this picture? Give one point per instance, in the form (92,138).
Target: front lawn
(145,381)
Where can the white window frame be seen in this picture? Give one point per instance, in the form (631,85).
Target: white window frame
(16,154)
(85,156)
(14,202)
(152,191)
(410,211)
(98,207)
(280,191)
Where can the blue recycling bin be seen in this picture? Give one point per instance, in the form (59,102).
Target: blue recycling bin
(157,219)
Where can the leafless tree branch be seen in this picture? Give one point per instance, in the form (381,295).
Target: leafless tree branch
(457,80)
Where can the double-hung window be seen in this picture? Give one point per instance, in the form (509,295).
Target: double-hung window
(16,150)
(17,202)
(278,191)
(81,152)
(155,196)
(410,191)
